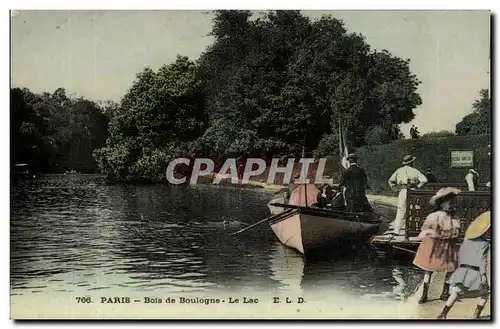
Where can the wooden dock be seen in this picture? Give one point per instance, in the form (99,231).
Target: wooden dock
(387,241)
(469,206)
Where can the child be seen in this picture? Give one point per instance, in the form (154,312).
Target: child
(437,251)
(470,280)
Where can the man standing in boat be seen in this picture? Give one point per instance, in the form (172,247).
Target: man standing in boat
(355,181)
(404,178)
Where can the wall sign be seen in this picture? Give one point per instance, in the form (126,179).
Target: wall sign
(462,159)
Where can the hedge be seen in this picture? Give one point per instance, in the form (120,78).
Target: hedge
(380,161)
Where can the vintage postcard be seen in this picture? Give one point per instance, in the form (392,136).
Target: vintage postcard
(239,164)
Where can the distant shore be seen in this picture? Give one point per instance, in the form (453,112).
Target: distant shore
(383,199)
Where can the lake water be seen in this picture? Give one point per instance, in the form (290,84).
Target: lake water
(74,234)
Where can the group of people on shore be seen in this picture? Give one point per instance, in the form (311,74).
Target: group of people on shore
(466,268)
(354,183)
(414,133)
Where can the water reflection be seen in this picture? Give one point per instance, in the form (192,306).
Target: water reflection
(399,290)
(287,268)
(78,234)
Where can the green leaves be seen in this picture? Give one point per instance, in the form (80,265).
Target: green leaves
(479,121)
(55,132)
(289,79)
(160,114)
(266,87)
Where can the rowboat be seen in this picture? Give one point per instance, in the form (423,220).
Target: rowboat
(311,230)
(20,171)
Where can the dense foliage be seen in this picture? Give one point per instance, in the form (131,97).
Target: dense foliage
(376,135)
(267,86)
(380,161)
(479,121)
(438,134)
(284,80)
(55,132)
(158,118)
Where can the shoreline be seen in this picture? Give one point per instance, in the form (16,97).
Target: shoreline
(463,308)
(376,198)
(207,181)
(40,305)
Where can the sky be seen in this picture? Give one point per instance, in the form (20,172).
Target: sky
(96,54)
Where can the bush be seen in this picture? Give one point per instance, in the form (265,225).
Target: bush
(327,146)
(438,134)
(376,135)
(380,161)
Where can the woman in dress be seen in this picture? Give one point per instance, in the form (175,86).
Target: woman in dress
(437,251)
(470,279)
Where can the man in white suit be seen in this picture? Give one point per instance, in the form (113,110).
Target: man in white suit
(404,178)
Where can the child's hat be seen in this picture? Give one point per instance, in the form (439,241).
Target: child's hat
(479,226)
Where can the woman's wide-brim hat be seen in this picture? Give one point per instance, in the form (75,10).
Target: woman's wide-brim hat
(443,192)
(351,156)
(407,159)
(479,226)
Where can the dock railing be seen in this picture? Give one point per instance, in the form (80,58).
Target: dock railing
(469,206)
(461,186)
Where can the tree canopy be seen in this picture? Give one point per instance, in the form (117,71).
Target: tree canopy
(479,121)
(267,86)
(285,79)
(55,132)
(158,118)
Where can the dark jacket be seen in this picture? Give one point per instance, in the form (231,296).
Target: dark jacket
(431,178)
(355,181)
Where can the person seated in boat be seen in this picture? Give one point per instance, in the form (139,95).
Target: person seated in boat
(330,197)
(325,196)
(355,181)
(337,201)
(292,185)
(321,197)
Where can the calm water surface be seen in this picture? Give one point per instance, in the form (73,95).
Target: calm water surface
(76,234)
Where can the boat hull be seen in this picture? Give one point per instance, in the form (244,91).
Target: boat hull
(309,232)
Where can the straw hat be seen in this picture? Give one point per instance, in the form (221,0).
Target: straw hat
(352,156)
(479,226)
(445,191)
(283,190)
(407,159)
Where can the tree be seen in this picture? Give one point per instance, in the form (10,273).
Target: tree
(158,119)
(479,121)
(376,135)
(328,146)
(286,81)
(55,132)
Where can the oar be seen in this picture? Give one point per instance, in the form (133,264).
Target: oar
(270,218)
(323,210)
(330,211)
